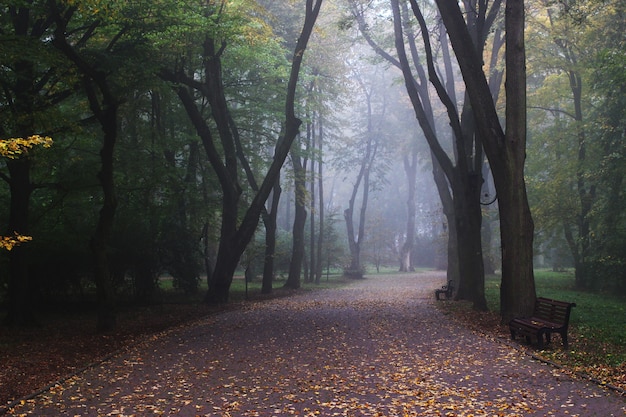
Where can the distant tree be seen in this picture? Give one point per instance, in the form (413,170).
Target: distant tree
(608,269)
(565,59)
(380,240)
(368,145)
(321,212)
(410,164)
(575,58)
(332,250)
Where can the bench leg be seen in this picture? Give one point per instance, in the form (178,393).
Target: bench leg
(564,338)
(540,339)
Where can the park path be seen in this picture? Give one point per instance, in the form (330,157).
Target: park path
(377,347)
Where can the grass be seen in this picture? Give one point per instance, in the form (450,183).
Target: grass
(597,326)
(239,291)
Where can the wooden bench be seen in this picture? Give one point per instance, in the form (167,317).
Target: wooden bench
(550,316)
(446,289)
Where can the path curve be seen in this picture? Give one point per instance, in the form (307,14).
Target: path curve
(377,347)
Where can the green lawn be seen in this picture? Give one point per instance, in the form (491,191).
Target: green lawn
(239,292)
(597,323)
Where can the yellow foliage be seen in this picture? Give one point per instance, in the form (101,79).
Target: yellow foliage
(15,147)
(9,242)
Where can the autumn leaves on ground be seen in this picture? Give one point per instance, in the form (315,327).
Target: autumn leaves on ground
(377,347)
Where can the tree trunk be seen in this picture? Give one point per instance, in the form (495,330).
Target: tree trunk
(469,246)
(270,240)
(102,236)
(356,238)
(227,254)
(447,204)
(312,247)
(506,153)
(320,189)
(20,305)
(353,244)
(104,105)
(410,169)
(297,252)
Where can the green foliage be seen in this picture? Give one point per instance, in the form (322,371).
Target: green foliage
(576,155)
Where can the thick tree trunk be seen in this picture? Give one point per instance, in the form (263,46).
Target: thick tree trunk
(447,204)
(102,236)
(20,306)
(469,246)
(227,255)
(517,293)
(101,239)
(506,153)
